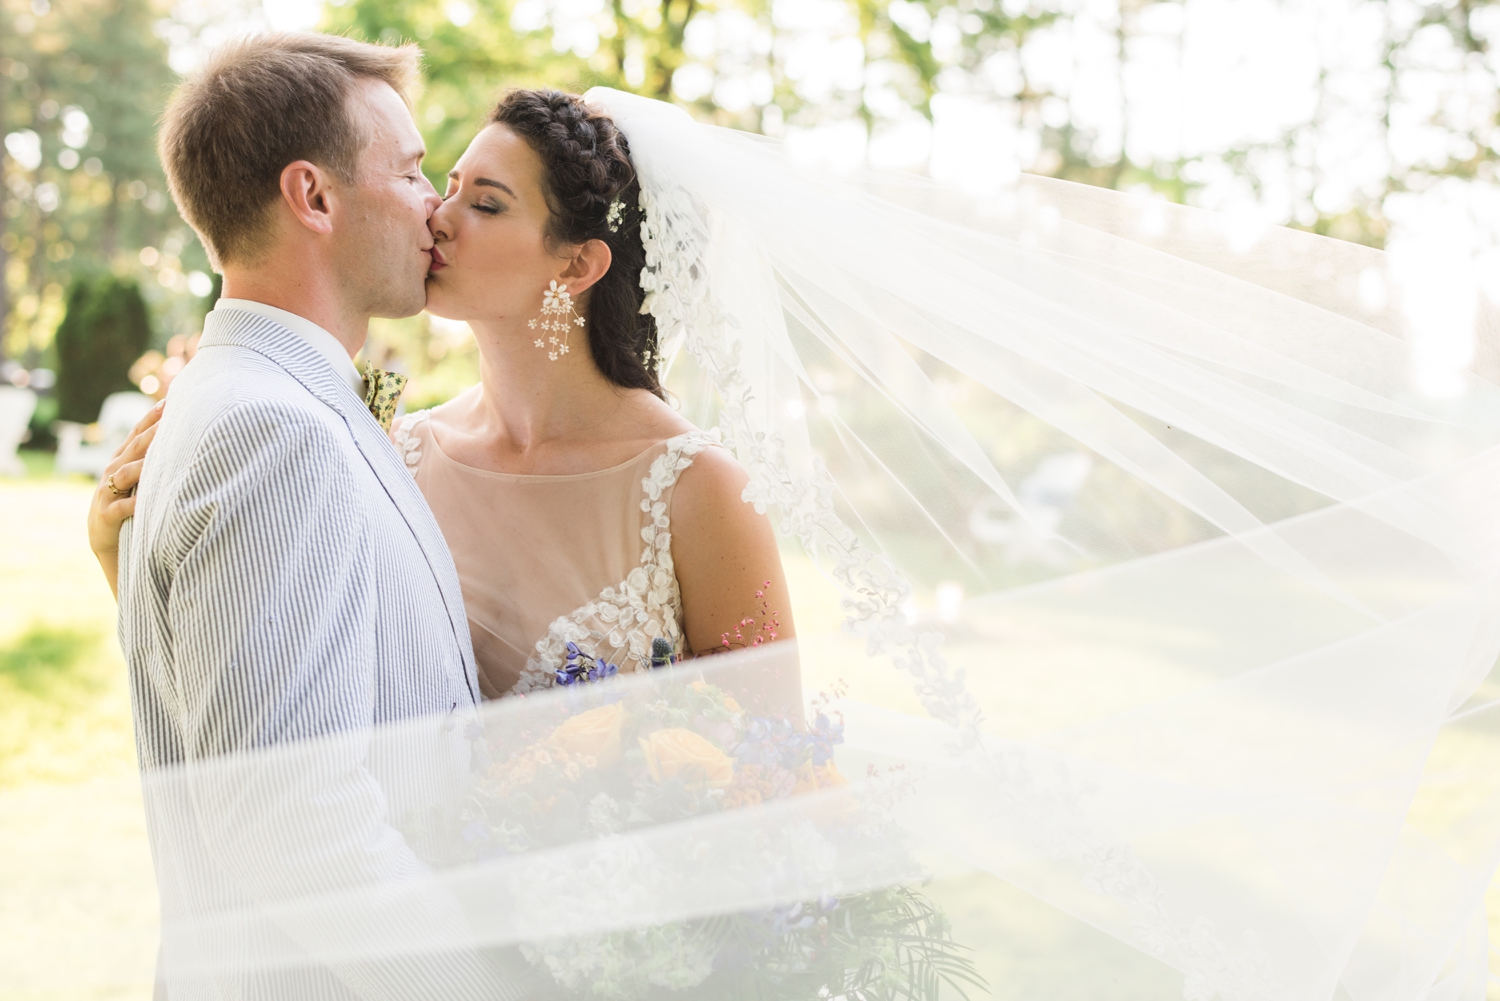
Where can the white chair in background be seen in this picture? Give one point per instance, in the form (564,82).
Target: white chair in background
(119,414)
(16,407)
(1045,496)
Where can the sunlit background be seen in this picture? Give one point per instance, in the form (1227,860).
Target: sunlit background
(1372,122)
(1367,121)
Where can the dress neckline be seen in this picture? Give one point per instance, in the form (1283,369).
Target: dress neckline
(550,477)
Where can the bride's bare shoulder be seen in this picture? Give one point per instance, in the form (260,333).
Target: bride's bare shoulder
(710,491)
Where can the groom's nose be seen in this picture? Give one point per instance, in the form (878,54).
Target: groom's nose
(430,198)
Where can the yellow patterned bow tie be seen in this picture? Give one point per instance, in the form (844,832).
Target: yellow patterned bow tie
(382,390)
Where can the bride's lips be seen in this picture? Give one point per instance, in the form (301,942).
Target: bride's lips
(438,263)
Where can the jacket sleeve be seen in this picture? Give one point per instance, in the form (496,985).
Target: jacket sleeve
(270,608)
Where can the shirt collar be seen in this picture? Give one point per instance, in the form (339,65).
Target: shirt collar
(321,340)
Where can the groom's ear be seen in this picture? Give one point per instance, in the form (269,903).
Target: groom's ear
(305,190)
(590,261)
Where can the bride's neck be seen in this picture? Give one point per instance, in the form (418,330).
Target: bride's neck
(529,399)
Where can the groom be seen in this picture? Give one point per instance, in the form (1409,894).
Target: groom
(283,579)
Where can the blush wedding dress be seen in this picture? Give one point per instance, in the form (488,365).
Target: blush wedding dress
(545,561)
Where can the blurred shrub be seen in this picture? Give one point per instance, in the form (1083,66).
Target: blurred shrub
(42,438)
(105,329)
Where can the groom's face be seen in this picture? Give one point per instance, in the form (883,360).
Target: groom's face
(384,244)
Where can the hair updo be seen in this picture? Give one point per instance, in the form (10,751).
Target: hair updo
(586,168)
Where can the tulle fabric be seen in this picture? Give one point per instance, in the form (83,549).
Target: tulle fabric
(1216,721)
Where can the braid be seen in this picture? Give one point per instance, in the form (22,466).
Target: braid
(586,168)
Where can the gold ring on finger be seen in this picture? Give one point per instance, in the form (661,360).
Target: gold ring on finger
(109,481)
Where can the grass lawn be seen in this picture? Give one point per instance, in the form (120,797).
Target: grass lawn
(64,708)
(76,891)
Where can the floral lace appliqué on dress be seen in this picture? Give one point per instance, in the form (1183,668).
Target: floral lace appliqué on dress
(408,445)
(619,625)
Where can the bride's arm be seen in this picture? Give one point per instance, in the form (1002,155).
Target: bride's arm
(110,508)
(724,553)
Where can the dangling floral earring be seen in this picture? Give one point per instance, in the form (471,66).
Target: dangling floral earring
(557,308)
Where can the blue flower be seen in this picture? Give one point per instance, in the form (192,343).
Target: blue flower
(785,920)
(582,667)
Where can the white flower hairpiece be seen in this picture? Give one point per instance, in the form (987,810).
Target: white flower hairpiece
(616,215)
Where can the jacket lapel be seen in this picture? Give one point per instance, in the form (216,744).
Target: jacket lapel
(303,363)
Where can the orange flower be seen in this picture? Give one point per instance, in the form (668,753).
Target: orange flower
(594,734)
(673,751)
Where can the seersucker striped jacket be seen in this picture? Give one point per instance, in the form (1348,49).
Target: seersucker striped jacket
(283,580)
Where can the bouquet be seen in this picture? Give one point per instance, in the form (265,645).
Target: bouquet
(608,759)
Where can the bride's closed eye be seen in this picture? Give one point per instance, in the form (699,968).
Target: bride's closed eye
(487,205)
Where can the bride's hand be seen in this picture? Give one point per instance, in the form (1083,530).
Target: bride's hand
(114,497)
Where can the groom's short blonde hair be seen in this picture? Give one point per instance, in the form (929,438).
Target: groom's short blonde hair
(256,105)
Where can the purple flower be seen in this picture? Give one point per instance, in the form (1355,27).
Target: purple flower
(581,667)
(785,920)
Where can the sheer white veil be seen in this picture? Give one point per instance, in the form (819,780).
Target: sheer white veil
(1216,720)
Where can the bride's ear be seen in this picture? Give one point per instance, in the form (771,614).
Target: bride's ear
(588,265)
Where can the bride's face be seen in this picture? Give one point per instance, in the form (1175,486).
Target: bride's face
(491,260)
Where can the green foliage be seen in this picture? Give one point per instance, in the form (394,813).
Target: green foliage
(98,195)
(39,464)
(630,46)
(95,201)
(464,68)
(104,331)
(41,424)
(42,660)
(892,944)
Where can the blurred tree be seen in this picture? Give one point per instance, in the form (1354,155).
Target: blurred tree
(105,329)
(473,52)
(81,85)
(1056,87)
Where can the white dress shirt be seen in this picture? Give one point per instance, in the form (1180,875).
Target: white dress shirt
(325,343)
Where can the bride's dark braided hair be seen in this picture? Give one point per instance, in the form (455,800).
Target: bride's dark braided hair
(586,168)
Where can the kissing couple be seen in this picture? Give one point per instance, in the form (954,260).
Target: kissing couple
(1239,582)
(288,562)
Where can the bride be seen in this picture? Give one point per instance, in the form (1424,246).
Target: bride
(1219,721)
(579,506)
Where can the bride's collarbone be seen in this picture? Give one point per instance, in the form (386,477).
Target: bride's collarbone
(470,435)
(564,456)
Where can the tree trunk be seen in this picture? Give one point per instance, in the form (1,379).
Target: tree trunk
(110,228)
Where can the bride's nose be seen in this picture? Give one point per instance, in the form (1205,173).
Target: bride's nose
(437,223)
